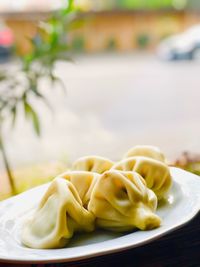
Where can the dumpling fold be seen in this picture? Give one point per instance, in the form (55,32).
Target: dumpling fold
(146,151)
(122,202)
(59,215)
(93,164)
(156,173)
(83,181)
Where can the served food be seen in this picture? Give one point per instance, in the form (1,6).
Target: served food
(122,202)
(155,173)
(83,182)
(146,151)
(98,193)
(59,215)
(93,164)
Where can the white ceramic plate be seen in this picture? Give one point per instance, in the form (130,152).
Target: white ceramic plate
(183,204)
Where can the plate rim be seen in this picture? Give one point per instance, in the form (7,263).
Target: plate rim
(110,250)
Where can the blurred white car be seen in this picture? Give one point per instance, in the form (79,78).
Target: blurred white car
(181,46)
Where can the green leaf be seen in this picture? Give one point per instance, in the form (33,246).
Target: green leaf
(69,8)
(14,115)
(48,46)
(32,115)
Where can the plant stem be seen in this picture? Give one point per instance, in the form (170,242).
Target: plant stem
(7,165)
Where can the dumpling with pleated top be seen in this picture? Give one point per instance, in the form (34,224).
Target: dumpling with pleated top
(146,151)
(59,215)
(122,202)
(93,164)
(83,181)
(156,173)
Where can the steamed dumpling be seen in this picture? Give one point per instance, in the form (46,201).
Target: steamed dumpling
(83,182)
(121,202)
(93,164)
(156,173)
(59,215)
(146,151)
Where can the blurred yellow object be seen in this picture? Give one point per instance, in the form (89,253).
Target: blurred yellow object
(24,26)
(117,29)
(23,31)
(84,5)
(30,176)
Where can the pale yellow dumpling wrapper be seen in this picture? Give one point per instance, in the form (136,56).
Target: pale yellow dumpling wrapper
(122,202)
(146,151)
(156,173)
(83,181)
(93,164)
(59,215)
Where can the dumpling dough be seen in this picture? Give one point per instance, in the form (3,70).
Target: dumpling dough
(121,202)
(59,215)
(83,182)
(146,151)
(155,173)
(93,164)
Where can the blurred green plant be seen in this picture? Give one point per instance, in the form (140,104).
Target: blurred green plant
(189,162)
(78,44)
(143,40)
(18,87)
(144,4)
(112,44)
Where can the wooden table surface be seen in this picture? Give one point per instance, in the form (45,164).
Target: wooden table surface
(181,248)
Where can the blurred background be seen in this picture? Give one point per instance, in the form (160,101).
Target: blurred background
(134,79)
